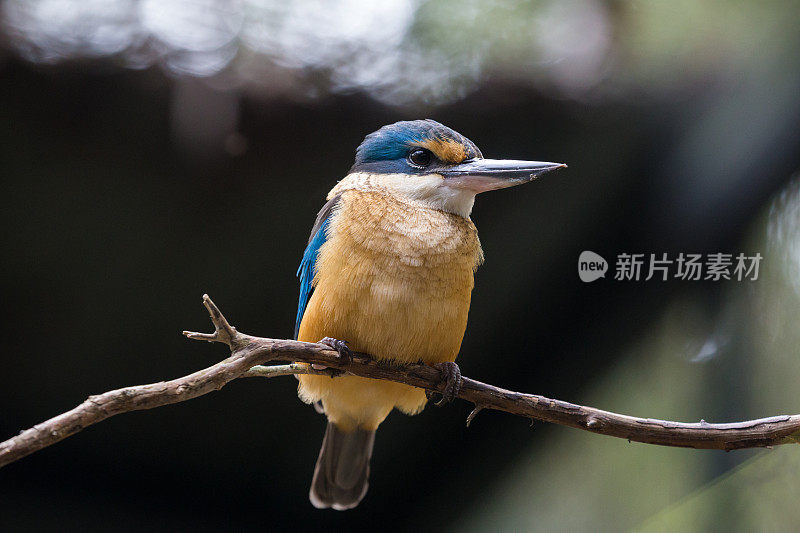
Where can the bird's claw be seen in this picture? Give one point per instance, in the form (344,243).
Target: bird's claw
(451,376)
(345,354)
(341,348)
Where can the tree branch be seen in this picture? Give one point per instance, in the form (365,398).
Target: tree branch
(249,353)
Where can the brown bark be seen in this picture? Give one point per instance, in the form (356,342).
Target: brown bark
(248,352)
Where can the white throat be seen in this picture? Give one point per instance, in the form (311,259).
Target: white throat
(428,190)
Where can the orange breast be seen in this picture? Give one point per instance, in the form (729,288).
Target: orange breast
(393,280)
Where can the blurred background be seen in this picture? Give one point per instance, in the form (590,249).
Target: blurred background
(154,150)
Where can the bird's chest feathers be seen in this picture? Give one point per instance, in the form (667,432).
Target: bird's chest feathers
(401,250)
(394,277)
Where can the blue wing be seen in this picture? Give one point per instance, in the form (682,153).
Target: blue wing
(308,266)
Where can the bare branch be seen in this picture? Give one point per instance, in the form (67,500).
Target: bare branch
(223,332)
(274,371)
(472,414)
(249,353)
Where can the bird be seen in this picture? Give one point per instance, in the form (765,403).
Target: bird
(389,271)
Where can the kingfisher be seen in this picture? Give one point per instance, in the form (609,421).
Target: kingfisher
(389,271)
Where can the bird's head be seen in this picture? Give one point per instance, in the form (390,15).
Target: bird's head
(425,161)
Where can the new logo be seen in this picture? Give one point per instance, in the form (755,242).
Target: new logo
(591,266)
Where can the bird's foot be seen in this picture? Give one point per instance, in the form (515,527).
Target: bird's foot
(345,355)
(451,376)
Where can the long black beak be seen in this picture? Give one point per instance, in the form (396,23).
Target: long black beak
(482,175)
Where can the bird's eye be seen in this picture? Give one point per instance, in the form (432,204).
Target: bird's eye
(420,158)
